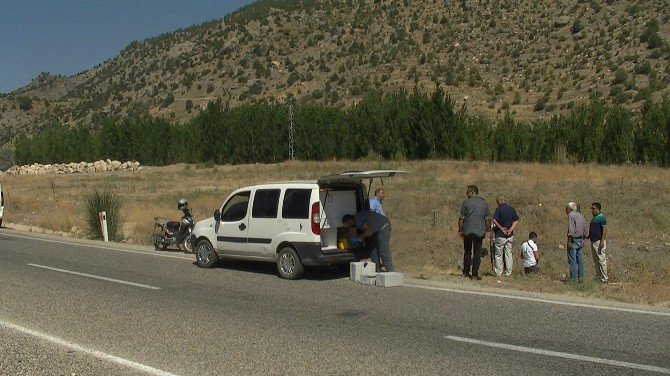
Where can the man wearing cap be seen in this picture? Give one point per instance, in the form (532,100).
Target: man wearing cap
(575,242)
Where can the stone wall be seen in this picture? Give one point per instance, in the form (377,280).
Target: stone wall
(74,168)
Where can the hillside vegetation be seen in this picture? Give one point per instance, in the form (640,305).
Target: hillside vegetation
(531,58)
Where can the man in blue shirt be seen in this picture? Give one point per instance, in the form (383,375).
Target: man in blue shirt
(376,202)
(505,220)
(597,236)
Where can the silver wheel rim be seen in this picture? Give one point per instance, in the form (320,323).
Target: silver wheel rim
(204,254)
(287,263)
(188,246)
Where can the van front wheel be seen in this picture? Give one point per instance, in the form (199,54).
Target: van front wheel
(205,256)
(288,264)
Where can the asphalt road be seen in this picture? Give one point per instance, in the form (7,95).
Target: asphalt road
(158,313)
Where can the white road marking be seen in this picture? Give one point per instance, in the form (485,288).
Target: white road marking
(183,257)
(558,354)
(97,277)
(582,305)
(98,354)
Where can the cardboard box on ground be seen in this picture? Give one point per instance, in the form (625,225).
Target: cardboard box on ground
(364,272)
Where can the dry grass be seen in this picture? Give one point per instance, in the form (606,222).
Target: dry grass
(423,206)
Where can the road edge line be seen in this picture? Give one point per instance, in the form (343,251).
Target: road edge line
(100,247)
(540,300)
(558,354)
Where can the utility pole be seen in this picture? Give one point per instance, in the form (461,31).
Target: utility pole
(291,128)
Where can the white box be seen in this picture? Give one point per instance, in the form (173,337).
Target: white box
(360,269)
(369,280)
(389,279)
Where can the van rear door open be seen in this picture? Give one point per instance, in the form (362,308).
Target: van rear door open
(350,176)
(340,200)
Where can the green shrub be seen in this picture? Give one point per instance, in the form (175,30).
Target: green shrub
(108,202)
(576,27)
(25,103)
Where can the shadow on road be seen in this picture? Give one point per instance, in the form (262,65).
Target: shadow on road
(320,273)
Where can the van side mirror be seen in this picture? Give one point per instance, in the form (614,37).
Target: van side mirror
(217,215)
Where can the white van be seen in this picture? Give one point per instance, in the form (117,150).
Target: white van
(293,224)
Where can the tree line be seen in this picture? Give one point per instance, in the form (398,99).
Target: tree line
(398,125)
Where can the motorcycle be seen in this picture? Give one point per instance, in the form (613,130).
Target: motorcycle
(175,233)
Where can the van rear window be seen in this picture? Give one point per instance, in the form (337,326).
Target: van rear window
(296,204)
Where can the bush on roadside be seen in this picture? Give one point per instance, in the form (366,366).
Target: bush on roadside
(108,202)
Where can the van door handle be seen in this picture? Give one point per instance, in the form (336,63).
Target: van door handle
(242,226)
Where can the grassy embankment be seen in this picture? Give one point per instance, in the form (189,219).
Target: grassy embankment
(423,207)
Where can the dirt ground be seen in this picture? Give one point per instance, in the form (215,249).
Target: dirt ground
(423,207)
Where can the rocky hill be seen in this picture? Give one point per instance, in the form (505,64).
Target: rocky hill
(533,58)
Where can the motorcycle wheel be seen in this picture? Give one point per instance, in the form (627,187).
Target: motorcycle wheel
(188,244)
(160,246)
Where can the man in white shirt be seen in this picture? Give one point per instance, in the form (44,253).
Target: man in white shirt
(530,254)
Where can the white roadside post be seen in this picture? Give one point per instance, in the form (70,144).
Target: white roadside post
(103,225)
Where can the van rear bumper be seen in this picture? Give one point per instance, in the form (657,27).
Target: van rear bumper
(311,255)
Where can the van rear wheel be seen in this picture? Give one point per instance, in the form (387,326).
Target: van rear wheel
(205,256)
(289,265)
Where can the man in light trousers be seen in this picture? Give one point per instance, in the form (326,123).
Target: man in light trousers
(505,220)
(598,237)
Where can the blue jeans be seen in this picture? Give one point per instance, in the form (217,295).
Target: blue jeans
(576,261)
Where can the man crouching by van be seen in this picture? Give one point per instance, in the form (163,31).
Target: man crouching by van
(376,231)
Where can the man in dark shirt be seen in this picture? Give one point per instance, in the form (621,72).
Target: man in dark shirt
(505,220)
(473,222)
(376,230)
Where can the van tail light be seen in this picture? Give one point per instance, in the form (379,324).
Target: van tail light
(316,219)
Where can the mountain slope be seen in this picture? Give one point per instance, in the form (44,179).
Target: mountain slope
(533,58)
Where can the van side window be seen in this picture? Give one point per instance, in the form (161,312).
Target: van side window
(236,208)
(296,204)
(266,202)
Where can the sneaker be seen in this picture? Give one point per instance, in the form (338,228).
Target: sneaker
(467,275)
(476,277)
(508,274)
